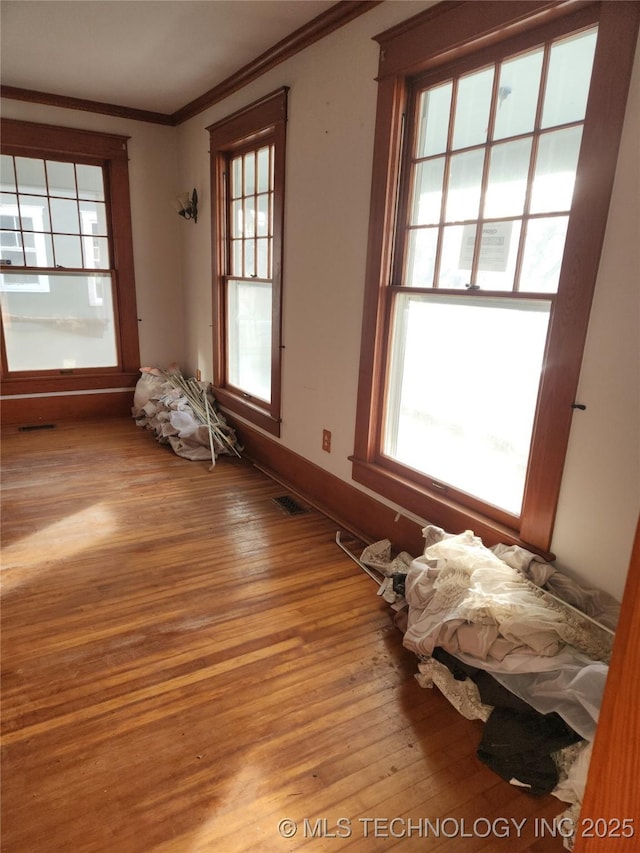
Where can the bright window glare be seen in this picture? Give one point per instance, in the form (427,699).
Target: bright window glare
(493,355)
(249,337)
(67,322)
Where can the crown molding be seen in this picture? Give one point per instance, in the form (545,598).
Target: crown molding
(66,102)
(338,15)
(341,13)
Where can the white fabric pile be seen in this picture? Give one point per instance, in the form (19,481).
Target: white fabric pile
(181,413)
(464,598)
(506,611)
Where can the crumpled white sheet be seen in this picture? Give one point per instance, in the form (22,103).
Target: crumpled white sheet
(596,603)
(463,598)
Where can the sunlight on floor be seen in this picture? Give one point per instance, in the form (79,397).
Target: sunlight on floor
(230,819)
(37,551)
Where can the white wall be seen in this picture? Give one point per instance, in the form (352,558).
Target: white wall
(157,229)
(600,496)
(332,104)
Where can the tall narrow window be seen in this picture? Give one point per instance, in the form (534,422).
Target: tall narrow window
(249,284)
(67,296)
(486,234)
(247,166)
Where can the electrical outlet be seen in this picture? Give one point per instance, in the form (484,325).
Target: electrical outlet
(198,375)
(326,440)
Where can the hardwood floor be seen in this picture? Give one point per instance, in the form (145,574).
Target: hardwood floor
(184,666)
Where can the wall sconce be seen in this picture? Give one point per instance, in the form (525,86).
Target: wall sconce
(187,205)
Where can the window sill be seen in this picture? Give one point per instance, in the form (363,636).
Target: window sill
(251,412)
(75,381)
(436,508)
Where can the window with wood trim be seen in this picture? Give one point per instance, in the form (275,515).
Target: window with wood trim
(247,171)
(492,180)
(67,291)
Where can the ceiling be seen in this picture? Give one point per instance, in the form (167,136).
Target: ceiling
(156,55)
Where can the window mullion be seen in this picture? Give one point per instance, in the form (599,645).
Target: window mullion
(484,180)
(526,215)
(399,245)
(445,182)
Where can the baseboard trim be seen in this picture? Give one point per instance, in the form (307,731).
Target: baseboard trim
(36,409)
(351,508)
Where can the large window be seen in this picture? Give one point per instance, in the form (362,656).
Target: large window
(247,168)
(491,186)
(66,286)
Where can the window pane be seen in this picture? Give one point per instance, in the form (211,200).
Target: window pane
(263,258)
(543,250)
(249,173)
(555,171)
(448,422)
(236,257)
(249,217)
(42,254)
(236,218)
(264,182)
(249,258)
(68,325)
(34,213)
(30,175)
(433,127)
(427,192)
(263,216)
(423,243)
(7,175)
(90,182)
(249,337)
(508,175)
(9,210)
(62,179)
(68,251)
(236,177)
(96,253)
(568,79)
(64,216)
(463,196)
(498,255)
(472,109)
(457,241)
(518,95)
(93,218)
(11,248)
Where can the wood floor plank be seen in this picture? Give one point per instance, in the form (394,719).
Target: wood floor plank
(184,666)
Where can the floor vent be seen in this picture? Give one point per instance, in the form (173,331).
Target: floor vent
(31,427)
(289,505)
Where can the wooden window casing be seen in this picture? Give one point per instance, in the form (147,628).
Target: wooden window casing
(450,38)
(27,139)
(261,124)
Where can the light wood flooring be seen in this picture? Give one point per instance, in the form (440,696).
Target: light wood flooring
(185,666)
